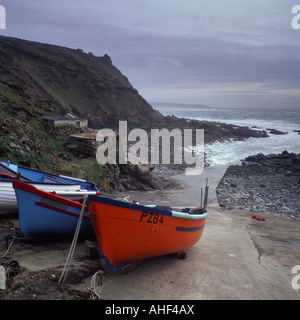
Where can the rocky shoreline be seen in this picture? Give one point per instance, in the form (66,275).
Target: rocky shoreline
(147,177)
(263,183)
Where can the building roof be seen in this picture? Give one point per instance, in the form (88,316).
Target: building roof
(67,116)
(91,136)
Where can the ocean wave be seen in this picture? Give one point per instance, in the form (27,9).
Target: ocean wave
(286,120)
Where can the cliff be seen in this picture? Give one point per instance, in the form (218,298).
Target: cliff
(38,79)
(69,80)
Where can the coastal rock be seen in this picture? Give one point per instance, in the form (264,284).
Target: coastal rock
(136,177)
(284,160)
(278,132)
(264,183)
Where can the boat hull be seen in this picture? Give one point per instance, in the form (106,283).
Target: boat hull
(43,214)
(128,232)
(8,200)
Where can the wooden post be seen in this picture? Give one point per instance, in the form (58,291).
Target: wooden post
(201,199)
(205,195)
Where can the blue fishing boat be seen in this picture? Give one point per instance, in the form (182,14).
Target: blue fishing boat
(41,176)
(8,200)
(44,214)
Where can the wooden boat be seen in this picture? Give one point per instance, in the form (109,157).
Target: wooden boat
(66,187)
(128,232)
(44,214)
(41,176)
(8,200)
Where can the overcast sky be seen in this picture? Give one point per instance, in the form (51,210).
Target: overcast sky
(214,52)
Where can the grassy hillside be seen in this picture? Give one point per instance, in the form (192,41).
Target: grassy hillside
(25,140)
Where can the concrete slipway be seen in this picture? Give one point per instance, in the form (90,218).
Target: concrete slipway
(236,258)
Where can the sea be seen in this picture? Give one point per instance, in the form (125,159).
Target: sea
(232,152)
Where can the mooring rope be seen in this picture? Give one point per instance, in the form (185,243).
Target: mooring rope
(73,245)
(12,241)
(92,289)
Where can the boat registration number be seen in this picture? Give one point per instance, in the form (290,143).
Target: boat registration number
(152,217)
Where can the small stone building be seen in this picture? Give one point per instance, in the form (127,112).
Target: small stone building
(67,119)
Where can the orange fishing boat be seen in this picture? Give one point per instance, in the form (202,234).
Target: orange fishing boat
(128,232)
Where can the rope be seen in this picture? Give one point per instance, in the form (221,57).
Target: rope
(92,289)
(73,245)
(13,239)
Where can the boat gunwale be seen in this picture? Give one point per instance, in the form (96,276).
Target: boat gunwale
(29,188)
(135,206)
(6,165)
(10,180)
